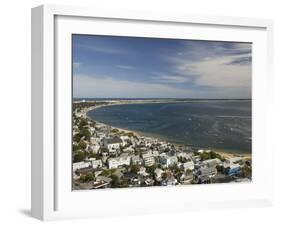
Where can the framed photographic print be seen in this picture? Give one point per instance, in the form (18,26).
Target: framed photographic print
(137,112)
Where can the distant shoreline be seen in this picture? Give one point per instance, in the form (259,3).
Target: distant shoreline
(226,154)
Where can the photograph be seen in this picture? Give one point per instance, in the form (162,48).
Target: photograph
(149,111)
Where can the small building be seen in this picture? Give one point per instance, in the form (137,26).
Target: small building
(188,165)
(211,162)
(235,159)
(158,174)
(136,160)
(143,172)
(149,161)
(204,174)
(80,165)
(112,143)
(233,169)
(129,150)
(94,148)
(118,161)
(84,171)
(149,154)
(103,179)
(167,161)
(96,163)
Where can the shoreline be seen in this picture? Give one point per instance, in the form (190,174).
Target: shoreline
(223,153)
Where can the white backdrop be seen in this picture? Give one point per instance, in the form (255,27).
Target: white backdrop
(15,111)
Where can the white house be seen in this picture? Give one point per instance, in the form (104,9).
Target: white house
(235,159)
(212,162)
(94,140)
(136,160)
(188,165)
(124,139)
(112,143)
(119,161)
(129,150)
(94,148)
(80,165)
(158,174)
(149,161)
(169,160)
(149,154)
(96,163)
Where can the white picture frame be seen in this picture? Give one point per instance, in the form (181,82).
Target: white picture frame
(52,197)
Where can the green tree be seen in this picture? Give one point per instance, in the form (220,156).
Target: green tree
(85,133)
(82,145)
(79,156)
(77,137)
(90,177)
(115,181)
(135,168)
(83,122)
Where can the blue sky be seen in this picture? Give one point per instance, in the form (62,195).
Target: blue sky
(130,67)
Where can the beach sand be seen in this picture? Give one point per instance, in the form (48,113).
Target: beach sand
(225,154)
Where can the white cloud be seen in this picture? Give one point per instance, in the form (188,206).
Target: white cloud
(126,67)
(227,69)
(165,78)
(76,64)
(103,49)
(89,86)
(218,72)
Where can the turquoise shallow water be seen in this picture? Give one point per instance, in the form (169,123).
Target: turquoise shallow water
(222,125)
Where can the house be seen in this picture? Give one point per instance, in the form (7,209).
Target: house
(149,161)
(94,140)
(186,178)
(103,179)
(112,143)
(136,160)
(143,172)
(158,174)
(235,159)
(149,182)
(211,162)
(124,139)
(129,150)
(196,158)
(168,160)
(149,154)
(84,171)
(118,161)
(205,173)
(94,148)
(169,181)
(188,165)
(149,157)
(80,165)
(233,169)
(96,163)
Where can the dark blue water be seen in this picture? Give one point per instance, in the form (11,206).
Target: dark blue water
(224,125)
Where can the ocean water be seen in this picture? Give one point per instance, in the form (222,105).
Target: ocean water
(220,125)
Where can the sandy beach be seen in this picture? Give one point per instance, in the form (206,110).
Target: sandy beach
(225,154)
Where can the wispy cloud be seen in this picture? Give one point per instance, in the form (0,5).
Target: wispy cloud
(215,66)
(167,78)
(126,67)
(91,86)
(76,64)
(106,87)
(103,49)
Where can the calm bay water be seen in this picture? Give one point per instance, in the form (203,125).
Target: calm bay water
(224,125)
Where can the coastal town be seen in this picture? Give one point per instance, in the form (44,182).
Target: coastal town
(109,157)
